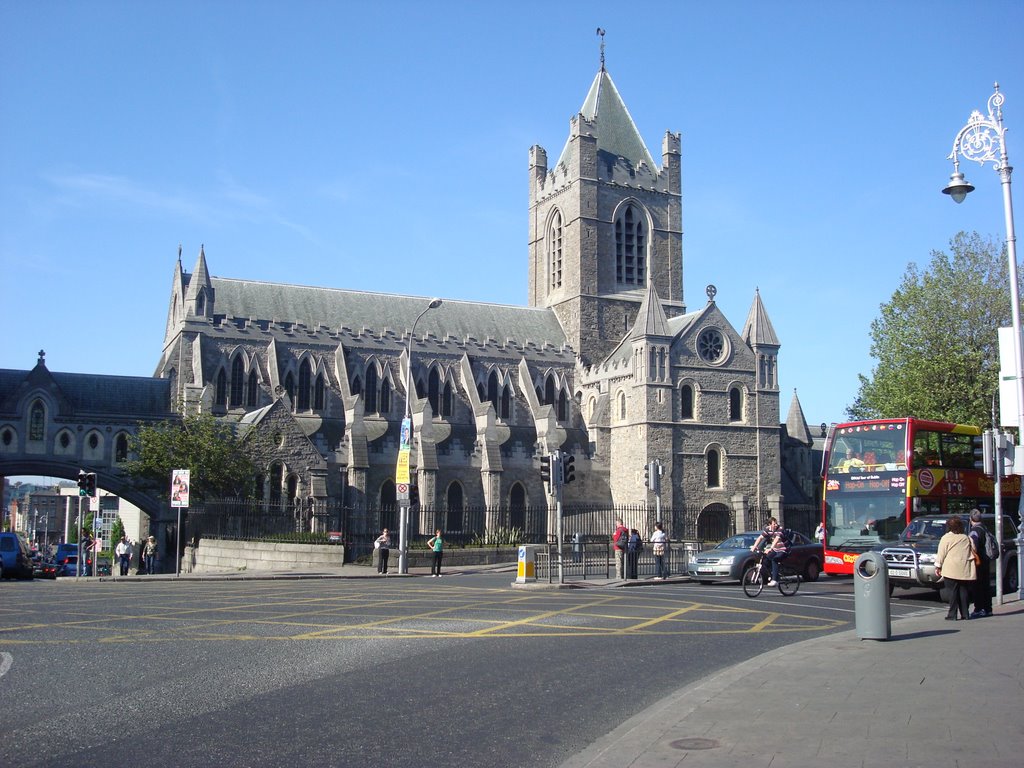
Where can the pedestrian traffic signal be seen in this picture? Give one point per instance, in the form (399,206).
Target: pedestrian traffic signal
(82,482)
(414,495)
(568,468)
(90,484)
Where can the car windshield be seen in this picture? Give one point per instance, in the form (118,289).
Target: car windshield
(924,529)
(743,541)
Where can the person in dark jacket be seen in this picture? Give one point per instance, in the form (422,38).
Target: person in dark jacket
(982,593)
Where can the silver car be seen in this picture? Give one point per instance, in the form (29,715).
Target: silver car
(730,559)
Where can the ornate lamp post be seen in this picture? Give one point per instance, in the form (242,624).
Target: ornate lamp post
(403,501)
(983,140)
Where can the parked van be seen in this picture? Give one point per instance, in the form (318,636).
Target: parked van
(15,557)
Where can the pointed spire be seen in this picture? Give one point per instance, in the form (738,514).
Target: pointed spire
(651,319)
(758,330)
(200,275)
(796,423)
(614,128)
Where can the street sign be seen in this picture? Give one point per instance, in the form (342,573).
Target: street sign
(180,482)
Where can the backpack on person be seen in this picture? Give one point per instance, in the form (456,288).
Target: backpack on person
(623,538)
(991,548)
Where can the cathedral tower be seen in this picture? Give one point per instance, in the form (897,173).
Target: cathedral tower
(605,222)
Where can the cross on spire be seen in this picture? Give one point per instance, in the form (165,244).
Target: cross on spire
(600,33)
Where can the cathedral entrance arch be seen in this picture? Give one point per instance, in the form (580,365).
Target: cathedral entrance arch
(517,507)
(714,523)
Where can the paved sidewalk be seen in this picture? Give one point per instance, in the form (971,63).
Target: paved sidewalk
(936,694)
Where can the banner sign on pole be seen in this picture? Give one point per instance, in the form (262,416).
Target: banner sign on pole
(402,470)
(180,481)
(405,442)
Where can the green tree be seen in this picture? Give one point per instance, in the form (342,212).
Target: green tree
(935,341)
(219,462)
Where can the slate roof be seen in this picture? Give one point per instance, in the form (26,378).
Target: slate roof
(356,310)
(97,394)
(758,329)
(614,127)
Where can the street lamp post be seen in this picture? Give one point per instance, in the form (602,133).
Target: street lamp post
(403,503)
(983,140)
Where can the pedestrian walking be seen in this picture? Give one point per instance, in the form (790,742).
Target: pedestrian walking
(149,552)
(954,562)
(659,545)
(982,596)
(634,546)
(577,547)
(383,546)
(123,550)
(819,533)
(437,545)
(620,537)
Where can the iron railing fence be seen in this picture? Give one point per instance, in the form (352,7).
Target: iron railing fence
(596,560)
(328,520)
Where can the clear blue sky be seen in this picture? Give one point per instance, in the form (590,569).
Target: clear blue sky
(383,146)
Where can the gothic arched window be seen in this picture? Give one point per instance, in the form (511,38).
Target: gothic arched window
(492,389)
(237,381)
(289,387)
(735,404)
(121,448)
(506,402)
(319,390)
(455,507)
(305,380)
(446,400)
(563,409)
(370,396)
(555,249)
(384,401)
(630,247)
(686,397)
(36,421)
(622,406)
(714,462)
(220,396)
(250,399)
(434,390)
(549,391)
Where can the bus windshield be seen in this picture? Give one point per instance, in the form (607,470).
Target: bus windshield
(863,519)
(860,449)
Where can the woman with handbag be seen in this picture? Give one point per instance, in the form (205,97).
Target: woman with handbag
(956,563)
(659,545)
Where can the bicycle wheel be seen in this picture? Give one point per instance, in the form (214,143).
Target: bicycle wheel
(752,581)
(789,584)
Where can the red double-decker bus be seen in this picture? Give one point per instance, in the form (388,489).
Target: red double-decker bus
(880,474)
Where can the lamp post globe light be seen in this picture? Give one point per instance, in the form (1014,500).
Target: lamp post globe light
(983,140)
(403,521)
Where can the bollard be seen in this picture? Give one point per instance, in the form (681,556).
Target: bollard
(871,597)
(527,570)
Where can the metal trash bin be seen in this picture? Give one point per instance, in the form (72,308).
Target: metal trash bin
(871,597)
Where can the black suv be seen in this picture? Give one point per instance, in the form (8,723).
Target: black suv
(911,561)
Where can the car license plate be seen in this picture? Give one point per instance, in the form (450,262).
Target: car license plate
(904,572)
(705,569)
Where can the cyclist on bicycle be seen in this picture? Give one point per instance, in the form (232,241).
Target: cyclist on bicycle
(778,547)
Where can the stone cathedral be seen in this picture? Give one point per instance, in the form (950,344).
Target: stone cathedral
(605,362)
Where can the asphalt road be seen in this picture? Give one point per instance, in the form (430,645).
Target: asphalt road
(463,671)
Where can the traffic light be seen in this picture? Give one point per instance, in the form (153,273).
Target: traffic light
(414,495)
(545,469)
(655,473)
(82,482)
(647,475)
(984,451)
(90,484)
(568,468)
(557,478)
